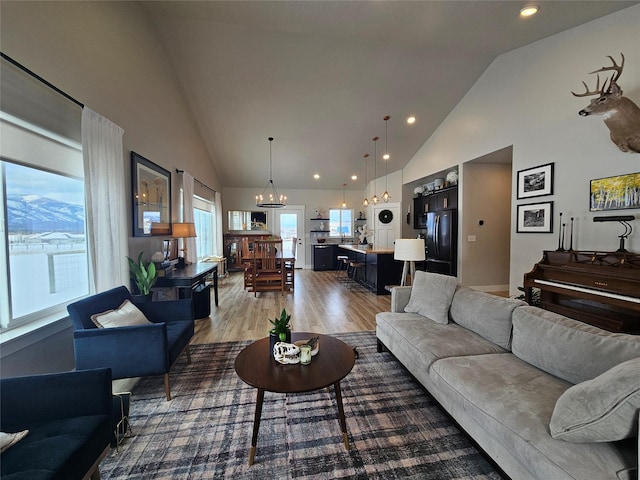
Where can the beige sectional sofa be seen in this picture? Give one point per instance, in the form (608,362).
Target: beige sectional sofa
(545,396)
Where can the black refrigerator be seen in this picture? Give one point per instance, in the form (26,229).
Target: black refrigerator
(442,242)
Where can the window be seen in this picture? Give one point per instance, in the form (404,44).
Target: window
(43,254)
(340,222)
(204,220)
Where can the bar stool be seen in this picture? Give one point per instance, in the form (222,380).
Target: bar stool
(356,272)
(342,266)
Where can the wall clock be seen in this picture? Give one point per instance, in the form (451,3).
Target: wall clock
(385,216)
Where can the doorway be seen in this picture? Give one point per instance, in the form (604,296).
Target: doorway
(386,224)
(289,224)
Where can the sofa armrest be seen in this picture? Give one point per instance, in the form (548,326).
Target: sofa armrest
(54,396)
(133,351)
(170,311)
(399,298)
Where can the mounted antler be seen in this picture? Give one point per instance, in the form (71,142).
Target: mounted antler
(622,116)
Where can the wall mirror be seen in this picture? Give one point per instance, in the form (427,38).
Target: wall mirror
(247,220)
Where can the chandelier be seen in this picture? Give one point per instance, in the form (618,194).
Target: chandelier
(269,197)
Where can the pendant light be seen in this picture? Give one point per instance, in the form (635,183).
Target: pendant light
(269,197)
(344,201)
(374,199)
(385,195)
(365,202)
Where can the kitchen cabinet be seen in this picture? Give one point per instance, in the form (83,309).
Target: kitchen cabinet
(437,201)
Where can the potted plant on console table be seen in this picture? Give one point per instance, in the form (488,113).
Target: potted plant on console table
(144,276)
(281,331)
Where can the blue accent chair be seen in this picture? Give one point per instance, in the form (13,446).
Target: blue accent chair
(69,418)
(132,351)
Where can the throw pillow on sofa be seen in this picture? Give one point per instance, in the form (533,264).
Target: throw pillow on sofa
(604,409)
(431,296)
(125,315)
(9,439)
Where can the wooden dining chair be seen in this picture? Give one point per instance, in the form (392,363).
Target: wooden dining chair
(290,265)
(247,262)
(268,268)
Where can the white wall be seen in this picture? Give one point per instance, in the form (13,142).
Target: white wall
(524,99)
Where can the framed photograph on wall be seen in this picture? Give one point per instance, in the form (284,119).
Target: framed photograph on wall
(536,181)
(535,218)
(615,193)
(151,197)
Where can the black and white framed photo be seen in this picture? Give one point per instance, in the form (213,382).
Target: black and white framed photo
(535,218)
(536,181)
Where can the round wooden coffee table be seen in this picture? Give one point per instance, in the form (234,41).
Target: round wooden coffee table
(256,366)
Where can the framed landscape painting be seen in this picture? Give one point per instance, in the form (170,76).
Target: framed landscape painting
(615,193)
(536,181)
(535,218)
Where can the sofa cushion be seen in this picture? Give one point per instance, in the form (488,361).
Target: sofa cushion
(424,341)
(567,348)
(127,314)
(487,315)
(604,409)
(64,448)
(431,296)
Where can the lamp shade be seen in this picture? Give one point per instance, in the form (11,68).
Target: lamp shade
(184,230)
(409,249)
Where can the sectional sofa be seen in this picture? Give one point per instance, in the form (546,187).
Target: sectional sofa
(545,396)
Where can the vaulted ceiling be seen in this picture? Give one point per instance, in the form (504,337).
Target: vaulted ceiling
(319,76)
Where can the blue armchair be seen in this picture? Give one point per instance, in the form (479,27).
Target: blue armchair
(69,418)
(132,351)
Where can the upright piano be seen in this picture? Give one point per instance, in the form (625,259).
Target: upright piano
(599,288)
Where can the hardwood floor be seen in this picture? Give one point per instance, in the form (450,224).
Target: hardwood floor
(318,304)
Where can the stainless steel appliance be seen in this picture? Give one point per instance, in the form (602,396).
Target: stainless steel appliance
(442,242)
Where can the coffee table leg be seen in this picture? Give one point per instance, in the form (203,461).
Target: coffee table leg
(256,425)
(343,422)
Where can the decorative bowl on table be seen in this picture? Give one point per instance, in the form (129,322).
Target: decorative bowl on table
(314,350)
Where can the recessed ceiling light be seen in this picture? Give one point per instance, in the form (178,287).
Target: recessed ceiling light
(354,177)
(411,120)
(529,10)
(316,176)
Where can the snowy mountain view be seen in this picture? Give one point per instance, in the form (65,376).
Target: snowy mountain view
(32,214)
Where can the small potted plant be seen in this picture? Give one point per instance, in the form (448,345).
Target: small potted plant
(144,276)
(281,331)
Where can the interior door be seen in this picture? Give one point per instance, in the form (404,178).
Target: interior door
(386,221)
(289,223)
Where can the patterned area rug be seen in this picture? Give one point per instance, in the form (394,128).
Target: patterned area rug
(396,430)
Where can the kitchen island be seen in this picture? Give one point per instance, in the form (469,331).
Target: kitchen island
(380,269)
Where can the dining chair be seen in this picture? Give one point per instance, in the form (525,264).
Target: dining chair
(268,267)
(290,265)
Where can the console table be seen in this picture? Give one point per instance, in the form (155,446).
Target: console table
(189,277)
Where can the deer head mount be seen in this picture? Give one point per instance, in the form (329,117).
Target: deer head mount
(621,115)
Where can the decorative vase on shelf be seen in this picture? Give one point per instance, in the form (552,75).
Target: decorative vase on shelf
(322,226)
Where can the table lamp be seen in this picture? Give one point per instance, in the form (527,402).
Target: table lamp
(410,250)
(183,230)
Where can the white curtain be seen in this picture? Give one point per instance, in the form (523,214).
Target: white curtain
(106,201)
(219,242)
(187,215)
